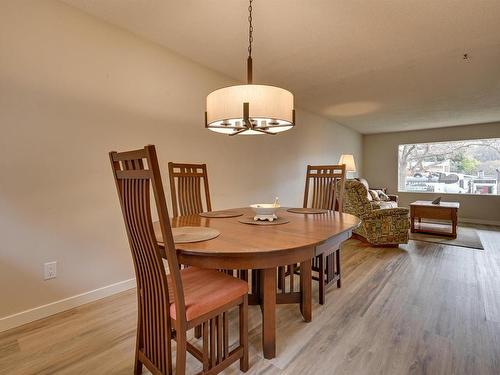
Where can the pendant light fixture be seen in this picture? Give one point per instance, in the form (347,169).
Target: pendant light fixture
(250,109)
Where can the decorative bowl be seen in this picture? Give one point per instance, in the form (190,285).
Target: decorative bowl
(264,209)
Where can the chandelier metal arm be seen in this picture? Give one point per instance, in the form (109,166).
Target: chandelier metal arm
(264,131)
(238,132)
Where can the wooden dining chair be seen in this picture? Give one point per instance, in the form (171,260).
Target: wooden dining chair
(170,305)
(187,182)
(324,189)
(188,185)
(328,183)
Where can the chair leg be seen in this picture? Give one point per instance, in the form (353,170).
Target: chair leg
(256,283)
(180,362)
(197,332)
(321,278)
(329,259)
(205,347)
(138,343)
(281,277)
(243,309)
(137,366)
(337,257)
(291,271)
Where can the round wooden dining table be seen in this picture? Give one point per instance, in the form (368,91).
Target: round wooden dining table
(263,248)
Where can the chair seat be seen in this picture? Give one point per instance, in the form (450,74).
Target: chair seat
(206,290)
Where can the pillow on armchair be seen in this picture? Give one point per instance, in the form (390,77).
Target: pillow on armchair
(374,195)
(381,200)
(383,196)
(378,195)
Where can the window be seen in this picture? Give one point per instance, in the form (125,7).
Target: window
(456,167)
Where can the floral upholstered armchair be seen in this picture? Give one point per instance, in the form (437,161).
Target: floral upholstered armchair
(380,226)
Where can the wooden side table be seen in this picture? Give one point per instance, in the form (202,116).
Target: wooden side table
(443,211)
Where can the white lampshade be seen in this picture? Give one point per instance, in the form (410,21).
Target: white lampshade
(348,160)
(270,109)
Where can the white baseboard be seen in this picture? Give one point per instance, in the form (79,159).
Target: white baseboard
(23,317)
(478,221)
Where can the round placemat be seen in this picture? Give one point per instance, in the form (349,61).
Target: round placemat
(221,214)
(193,234)
(187,234)
(250,220)
(307,210)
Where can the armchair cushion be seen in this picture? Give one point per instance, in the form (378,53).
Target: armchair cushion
(378,205)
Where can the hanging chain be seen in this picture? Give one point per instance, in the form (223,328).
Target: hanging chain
(250,29)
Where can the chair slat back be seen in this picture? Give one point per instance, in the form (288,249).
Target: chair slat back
(187,183)
(135,173)
(324,187)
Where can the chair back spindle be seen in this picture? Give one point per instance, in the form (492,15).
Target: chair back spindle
(187,182)
(135,173)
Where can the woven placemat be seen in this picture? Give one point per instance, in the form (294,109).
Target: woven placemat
(250,220)
(187,234)
(193,234)
(221,214)
(307,210)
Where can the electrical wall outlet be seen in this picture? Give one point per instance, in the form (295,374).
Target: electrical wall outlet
(50,270)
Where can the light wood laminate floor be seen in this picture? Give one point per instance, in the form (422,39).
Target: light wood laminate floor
(422,308)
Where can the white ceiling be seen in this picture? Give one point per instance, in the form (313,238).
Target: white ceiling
(373,65)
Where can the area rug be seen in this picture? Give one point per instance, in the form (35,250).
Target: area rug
(466,237)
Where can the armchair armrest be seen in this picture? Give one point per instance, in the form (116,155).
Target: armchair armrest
(385,212)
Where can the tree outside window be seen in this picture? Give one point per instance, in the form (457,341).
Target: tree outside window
(458,167)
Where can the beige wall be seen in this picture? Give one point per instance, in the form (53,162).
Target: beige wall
(380,166)
(73,88)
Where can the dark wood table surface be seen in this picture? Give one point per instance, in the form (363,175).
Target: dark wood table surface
(264,248)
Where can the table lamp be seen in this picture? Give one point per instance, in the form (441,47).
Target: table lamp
(348,160)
